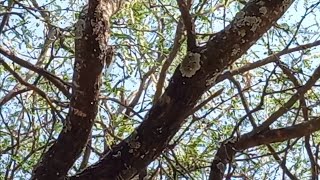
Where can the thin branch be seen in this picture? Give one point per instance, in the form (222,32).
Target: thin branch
(13,94)
(6,16)
(269,59)
(254,125)
(59,83)
(305,114)
(189,24)
(30,86)
(285,107)
(178,39)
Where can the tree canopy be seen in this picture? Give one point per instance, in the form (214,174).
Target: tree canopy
(158,89)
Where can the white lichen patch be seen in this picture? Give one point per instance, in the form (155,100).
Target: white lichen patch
(75,84)
(79,28)
(263,10)
(221,166)
(212,81)
(134,144)
(285,5)
(165,99)
(53,34)
(251,21)
(97,28)
(190,64)
(240,15)
(67,125)
(159,130)
(235,51)
(254,22)
(242,32)
(117,155)
(260,3)
(93,23)
(100,25)
(231,140)
(79,113)
(78,66)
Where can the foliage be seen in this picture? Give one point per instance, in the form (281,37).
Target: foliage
(33,110)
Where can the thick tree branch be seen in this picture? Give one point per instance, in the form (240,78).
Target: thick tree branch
(92,53)
(278,135)
(185,88)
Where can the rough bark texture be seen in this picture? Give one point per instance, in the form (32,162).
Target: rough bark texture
(92,53)
(167,115)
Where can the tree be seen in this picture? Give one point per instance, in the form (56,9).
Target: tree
(197,89)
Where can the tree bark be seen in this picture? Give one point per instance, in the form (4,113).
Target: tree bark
(168,114)
(92,53)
